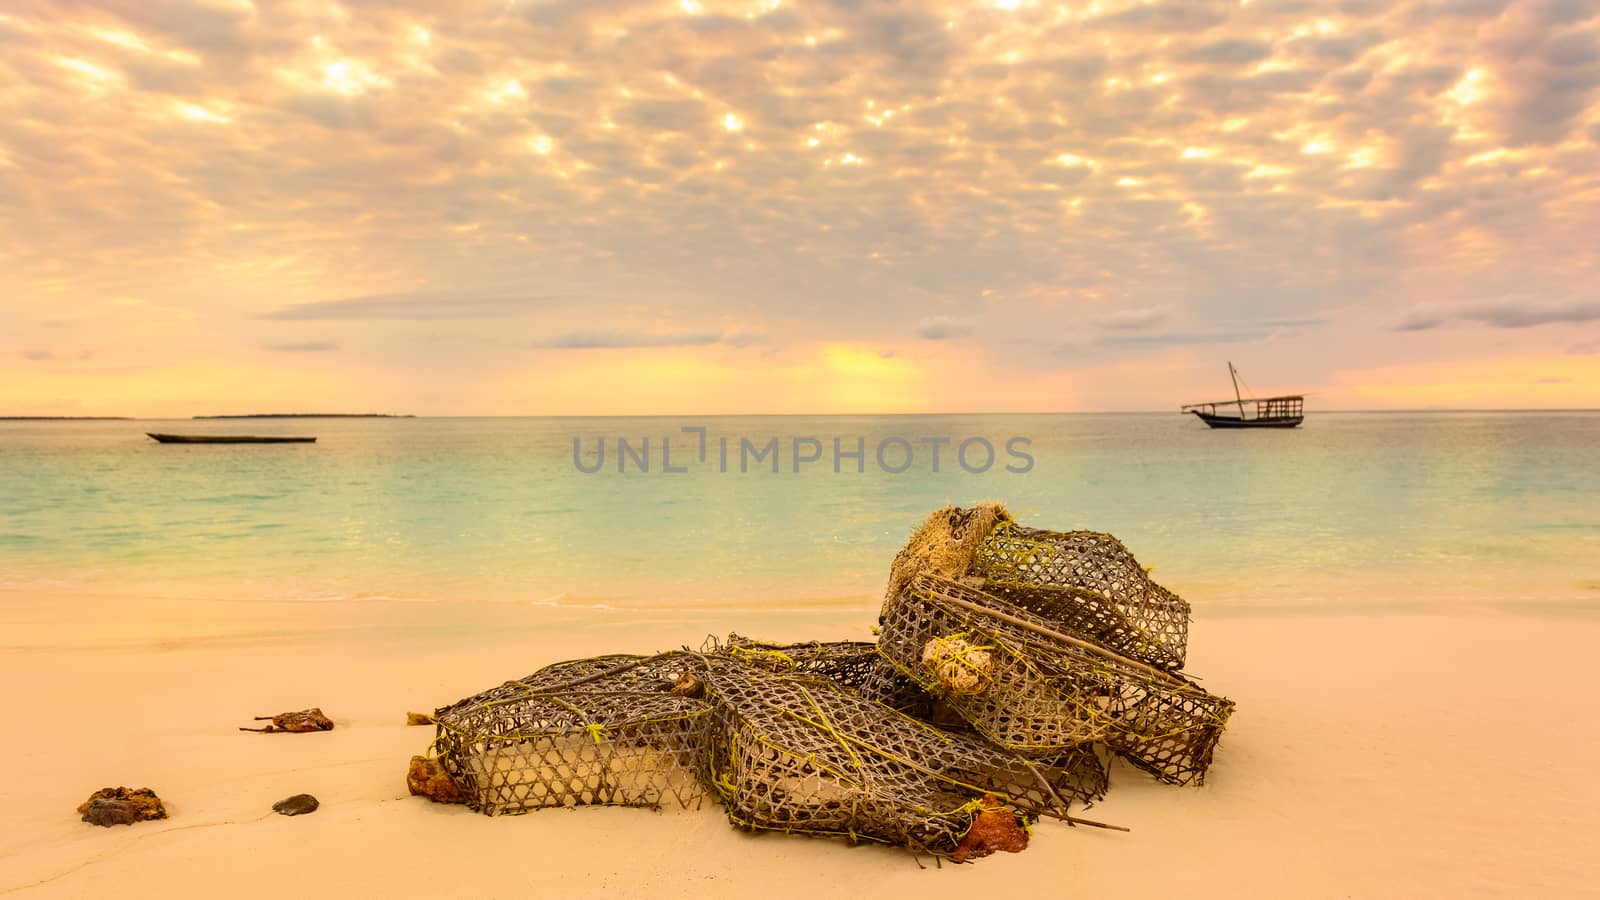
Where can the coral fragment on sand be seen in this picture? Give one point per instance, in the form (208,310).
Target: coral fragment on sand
(994,829)
(961,666)
(427,778)
(122,806)
(298,722)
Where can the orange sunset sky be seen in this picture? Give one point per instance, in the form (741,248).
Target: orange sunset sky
(660,206)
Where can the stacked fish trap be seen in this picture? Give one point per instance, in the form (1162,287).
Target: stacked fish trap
(1045,640)
(614,730)
(1038,691)
(1088,583)
(1083,581)
(801,754)
(1011,663)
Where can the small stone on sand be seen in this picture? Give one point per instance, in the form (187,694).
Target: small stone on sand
(298,805)
(415,718)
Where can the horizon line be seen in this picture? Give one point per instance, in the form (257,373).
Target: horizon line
(747,415)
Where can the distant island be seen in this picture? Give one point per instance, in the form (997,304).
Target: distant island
(64,418)
(312,416)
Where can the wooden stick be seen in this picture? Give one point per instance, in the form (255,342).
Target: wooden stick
(1064,638)
(1092,824)
(1049,788)
(615,670)
(1074,820)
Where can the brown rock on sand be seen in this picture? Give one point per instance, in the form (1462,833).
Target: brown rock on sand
(298,805)
(304,720)
(415,718)
(429,779)
(994,829)
(122,806)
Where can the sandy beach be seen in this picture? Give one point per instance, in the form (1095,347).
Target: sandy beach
(1371,756)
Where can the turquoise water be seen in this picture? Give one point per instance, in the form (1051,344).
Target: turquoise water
(1402,510)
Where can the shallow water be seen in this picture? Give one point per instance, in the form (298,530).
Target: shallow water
(1402,510)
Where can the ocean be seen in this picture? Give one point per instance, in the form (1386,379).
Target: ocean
(1402,511)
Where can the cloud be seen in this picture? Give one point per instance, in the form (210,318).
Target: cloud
(1135,319)
(1421,320)
(303,347)
(613,340)
(1510,313)
(1182,339)
(1554,381)
(1548,70)
(38,355)
(1229,51)
(420,305)
(1517,314)
(335,112)
(944,328)
(1160,18)
(665,115)
(1340,49)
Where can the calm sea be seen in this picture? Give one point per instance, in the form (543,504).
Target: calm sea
(1402,511)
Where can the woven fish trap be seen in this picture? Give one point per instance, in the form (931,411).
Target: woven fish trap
(848,663)
(802,754)
(1089,584)
(856,665)
(852,664)
(889,686)
(859,666)
(613,730)
(1035,690)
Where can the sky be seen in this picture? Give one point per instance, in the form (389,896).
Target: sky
(786,206)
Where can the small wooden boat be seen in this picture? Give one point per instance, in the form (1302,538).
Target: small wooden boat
(1286,411)
(228,439)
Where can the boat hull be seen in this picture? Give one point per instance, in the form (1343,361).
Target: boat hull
(1235,422)
(227,439)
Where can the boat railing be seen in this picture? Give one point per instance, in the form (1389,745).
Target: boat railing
(1265,407)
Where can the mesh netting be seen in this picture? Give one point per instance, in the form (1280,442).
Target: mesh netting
(802,754)
(852,664)
(887,685)
(1088,583)
(1032,689)
(848,663)
(609,730)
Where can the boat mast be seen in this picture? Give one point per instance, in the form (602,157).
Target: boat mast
(1234,374)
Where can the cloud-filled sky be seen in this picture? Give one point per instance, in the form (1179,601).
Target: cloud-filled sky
(657,206)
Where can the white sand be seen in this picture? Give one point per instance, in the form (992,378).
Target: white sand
(1371,756)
